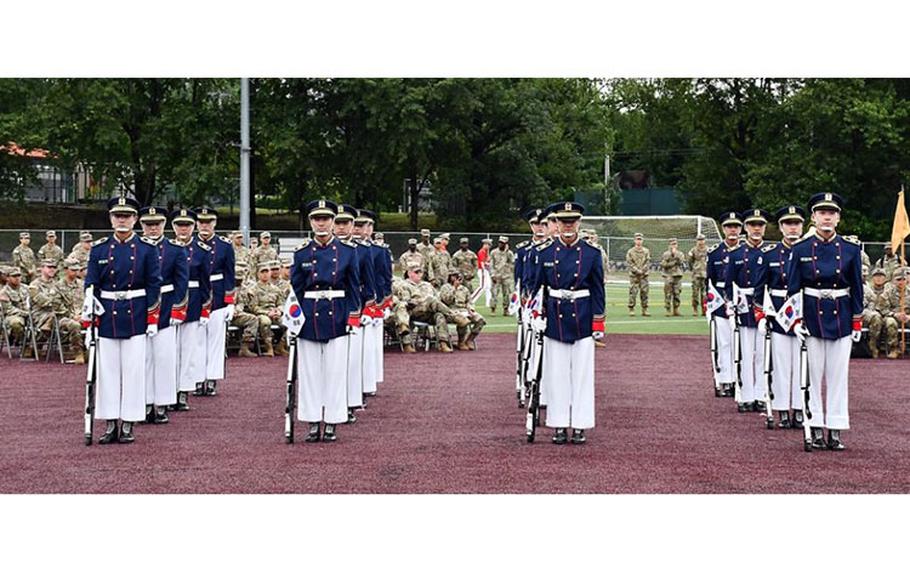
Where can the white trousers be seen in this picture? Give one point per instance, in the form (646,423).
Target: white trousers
(569,368)
(322,372)
(726,372)
(368,359)
(161,368)
(379,368)
(829,361)
(120,391)
(755,386)
(355,372)
(191,355)
(214,345)
(785,377)
(484,276)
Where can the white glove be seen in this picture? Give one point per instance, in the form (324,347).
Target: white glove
(203,321)
(386,312)
(175,322)
(229,310)
(538,324)
(856,336)
(729,308)
(151,330)
(87,337)
(762,327)
(365,319)
(801,332)
(597,335)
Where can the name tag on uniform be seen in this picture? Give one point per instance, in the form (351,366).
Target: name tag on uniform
(306,265)
(102,261)
(550,264)
(737,262)
(805,259)
(772,264)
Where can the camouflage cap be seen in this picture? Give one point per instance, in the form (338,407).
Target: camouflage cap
(487,241)
(264,267)
(437,240)
(463,240)
(878,270)
(638,236)
(378,236)
(24,235)
(424,232)
(85,236)
(503,238)
(412,241)
(50,262)
(287,262)
(265,235)
(274,264)
(445,237)
(700,237)
(901,274)
(672,241)
(13,271)
(71,263)
(51,233)
(414,267)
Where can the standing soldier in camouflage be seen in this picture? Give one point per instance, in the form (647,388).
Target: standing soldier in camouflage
(244,318)
(638,261)
(889,262)
(465,261)
(47,302)
(439,264)
(241,253)
(82,249)
(672,263)
(467,321)
(873,319)
(24,258)
(267,304)
(698,263)
(50,251)
(411,256)
(424,247)
(889,304)
(264,252)
(502,269)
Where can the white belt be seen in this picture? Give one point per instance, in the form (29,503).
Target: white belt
(323,294)
(720,284)
(124,295)
(827,293)
(167,288)
(778,293)
(747,291)
(193,284)
(216,277)
(569,294)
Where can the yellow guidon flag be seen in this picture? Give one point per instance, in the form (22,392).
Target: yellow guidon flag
(901,228)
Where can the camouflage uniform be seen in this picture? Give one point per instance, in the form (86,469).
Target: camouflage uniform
(465,261)
(502,270)
(47,301)
(24,258)
(423,305)
(438,269)
(889,264)
(671,266)
(266,297)
(889,304)
(80,253)
(244,316)
(51,252)
(463,315)
(259,256)
(874,320)
(15,309)
(73,293)
(425,249)
(638,262)
(408,257)
(698,263)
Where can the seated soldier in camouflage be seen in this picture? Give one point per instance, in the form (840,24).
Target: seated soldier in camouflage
(14,299)
(243,317)
(873,318)
(73,292)
(284,286)
(47,302)
(457,296)
(422,304)
(400,319)
(889,303)
(266,303)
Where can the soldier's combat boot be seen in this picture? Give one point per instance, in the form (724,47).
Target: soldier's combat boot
(472,341)
(110,433)
(797,418)
(631,313)
(676,313)
(873,349)
(818,439)
(463,346)
(666,315)
(560,437)
(351,417)
(126,433)
(695,312)
(578,436)
(444,347)
(181,402)
(644,313)
(893,353)
(268,351)
(834,442)
(246,351)
(329,434)
(784,420)
(313,434)
(210,387)
(79,359)
(408,347)
(281,349)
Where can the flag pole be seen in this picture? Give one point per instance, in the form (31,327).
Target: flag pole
(904,291)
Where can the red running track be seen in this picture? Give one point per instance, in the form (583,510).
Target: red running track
(449,423)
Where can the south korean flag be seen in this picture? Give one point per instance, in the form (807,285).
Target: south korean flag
(713,300)
(292,315)
(790,312)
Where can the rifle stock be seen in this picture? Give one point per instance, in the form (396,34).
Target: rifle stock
(290,391)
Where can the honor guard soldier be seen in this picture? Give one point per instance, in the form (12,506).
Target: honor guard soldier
(638,262)
(718,266)
(570,272)
(524,249)
(161,350)
(326,281)
(123,273)
(344,232)
(741,279)
(50,251)
(382,287)
(826,269)
(24,257)
(221,277)
(772,277)
(191,339)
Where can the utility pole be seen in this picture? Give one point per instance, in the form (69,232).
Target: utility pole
(245,159)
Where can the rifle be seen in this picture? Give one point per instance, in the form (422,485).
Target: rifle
(737,358)
(769,372)
(712,327)
(519,366)
(291,384)
(532,418)
(91,372)
(804,384)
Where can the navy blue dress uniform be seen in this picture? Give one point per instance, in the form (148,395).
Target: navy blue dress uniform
(161,350)
(192,335)
(570,272)
(123,273)
(826,269)
(744,265)
(524,272)
(326,281)
(772,277)
(221,277)
(382,273)
(356,377)
(716,274)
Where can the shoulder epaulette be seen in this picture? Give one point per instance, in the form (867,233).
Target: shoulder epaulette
(100,241)
(226,240)
(713,247)
(541,247)
(853,240)
(203,246)
(351,244)
(148,241)
(302,245)
(522,245)
(769,248)
(176,242)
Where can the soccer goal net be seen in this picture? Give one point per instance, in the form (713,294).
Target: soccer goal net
(617,234)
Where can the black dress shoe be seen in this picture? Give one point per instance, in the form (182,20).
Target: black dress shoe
(797,418)
(200,389)
(818,439)
(181,402)
(126,433)
(110,433)
(728,391)
(834,442)
(150,415)
(313,434)
(210,388)
(351,418)
(578,436)
(784,420)
(369,394)
(743,407)
(161,416)
(759,406)
(329,434)
(560,436)
(718,392)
